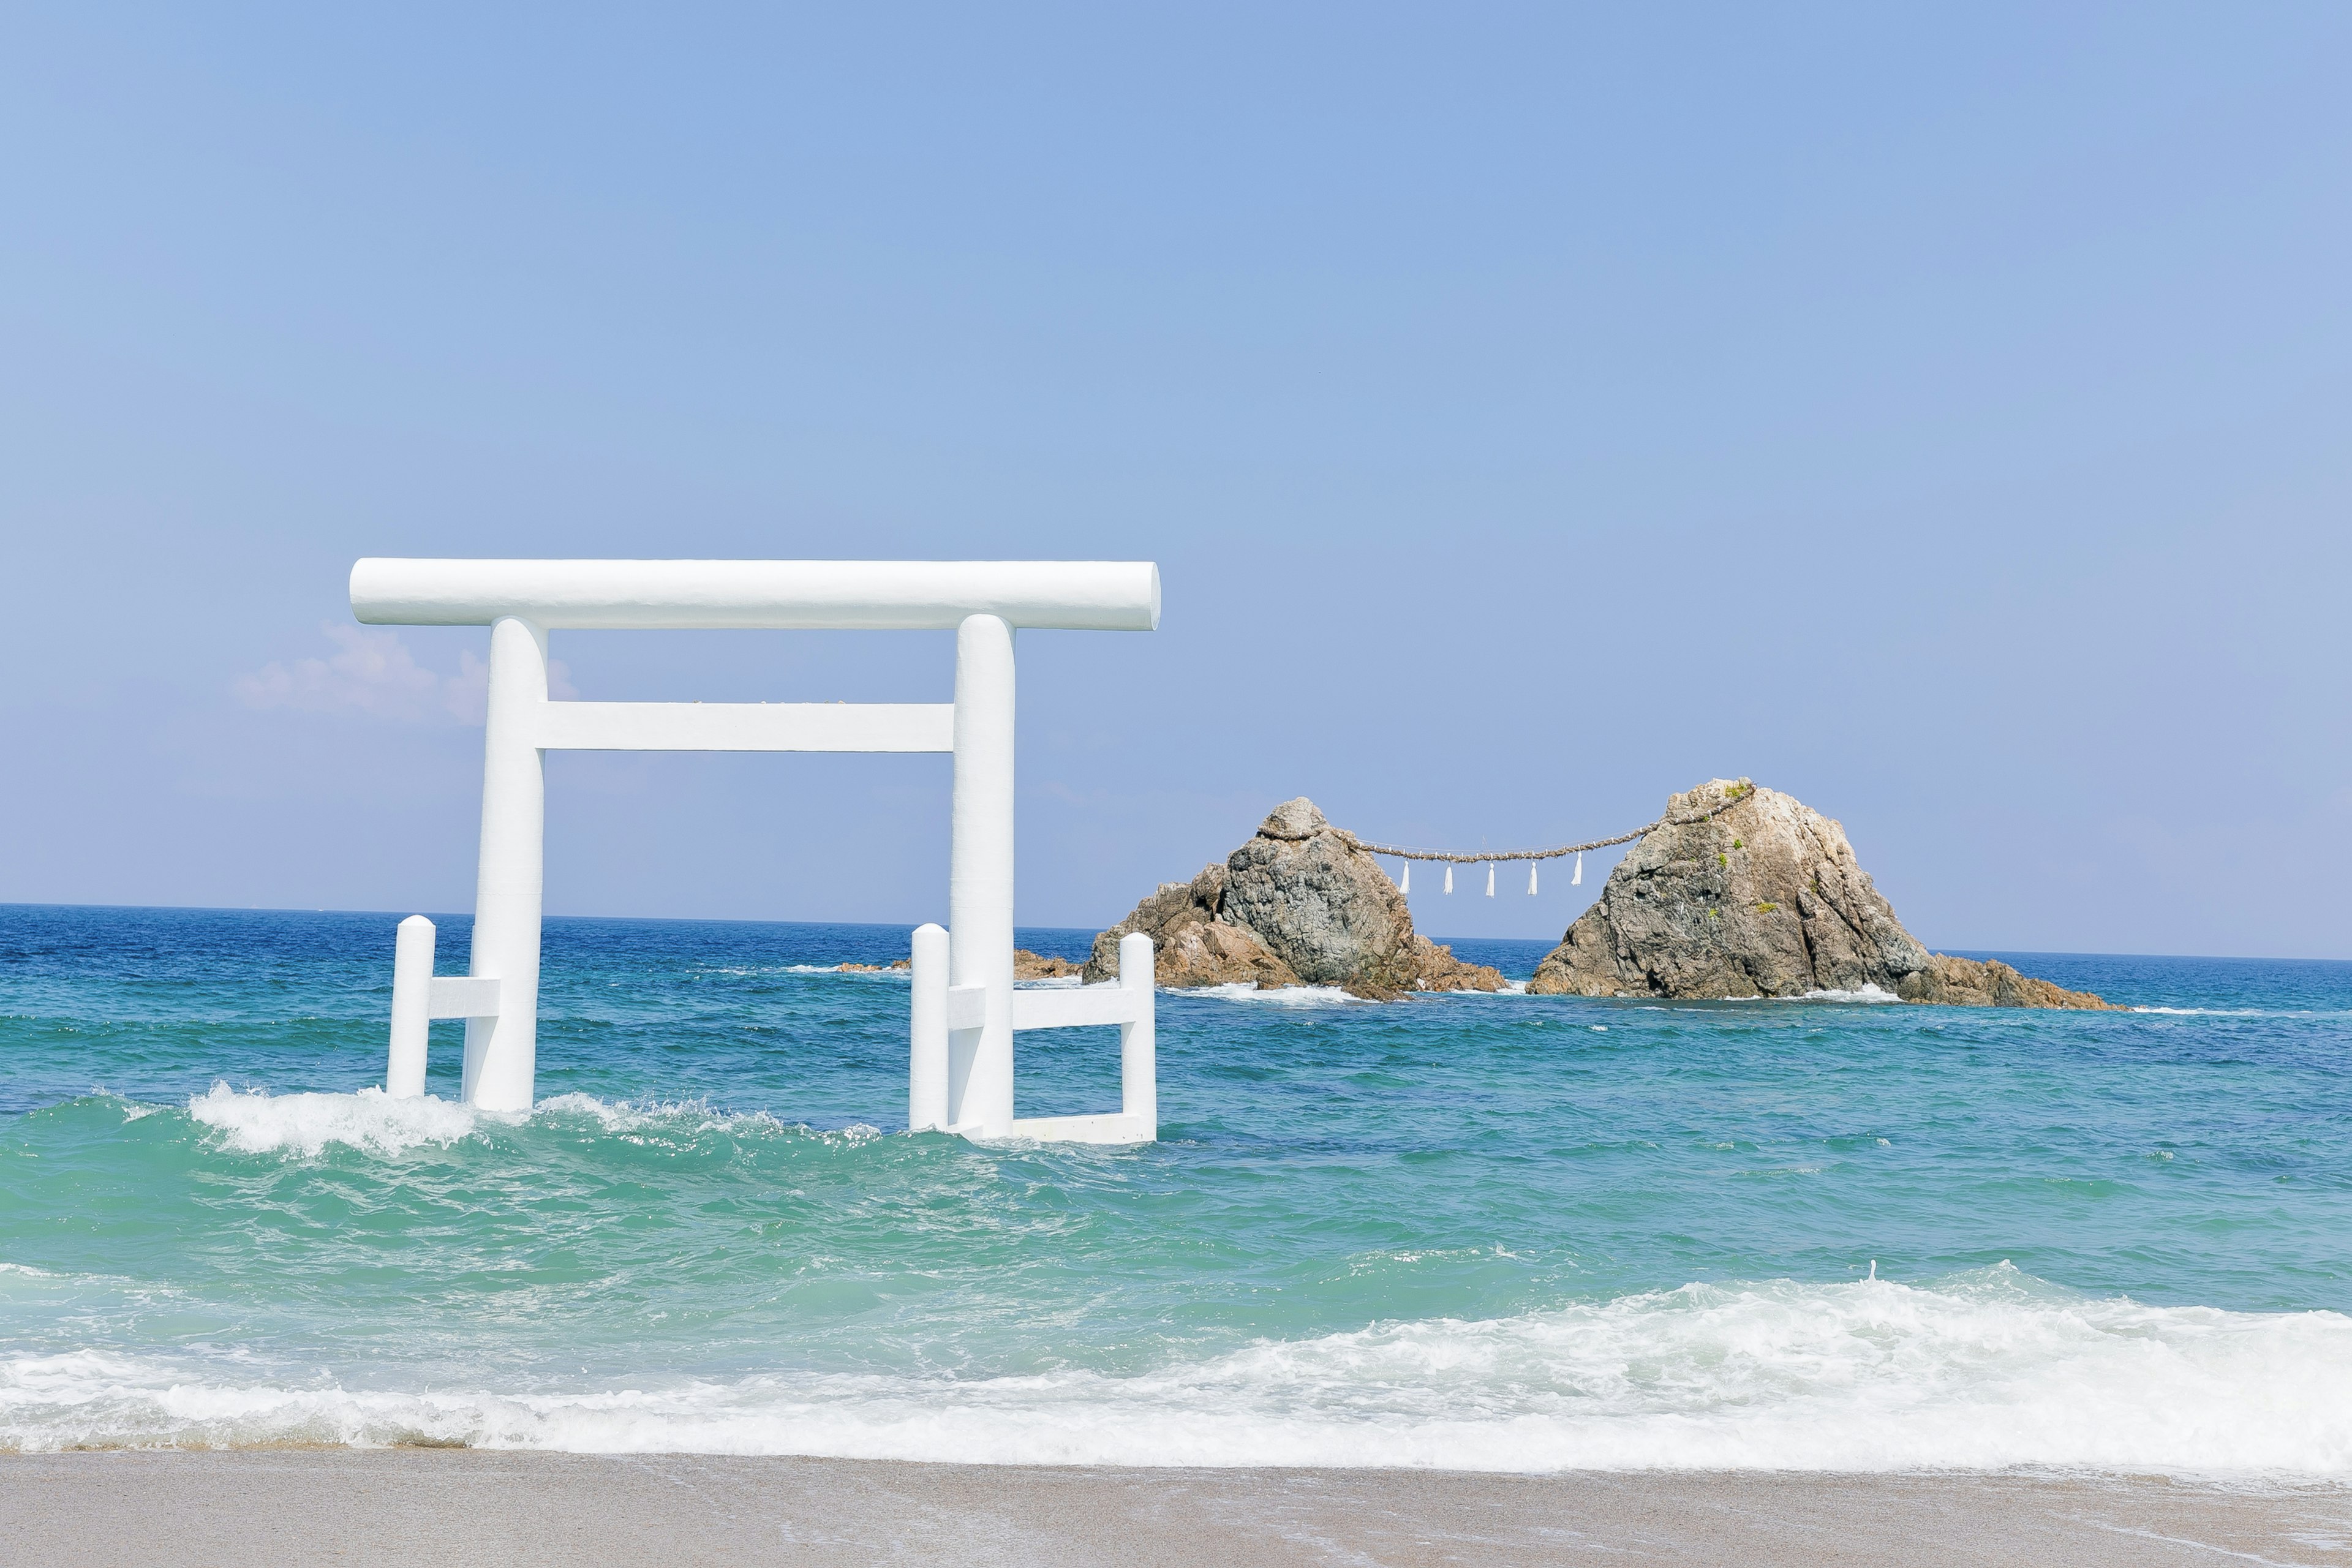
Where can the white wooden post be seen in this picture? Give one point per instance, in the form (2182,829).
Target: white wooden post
(411,1008)
(927,1030)
(1138,1041)
(980,877)
(501,1051)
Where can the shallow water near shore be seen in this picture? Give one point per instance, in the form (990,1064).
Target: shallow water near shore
(1505,1233)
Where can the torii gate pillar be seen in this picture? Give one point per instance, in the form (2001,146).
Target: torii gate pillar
(980,873)
(502,1050)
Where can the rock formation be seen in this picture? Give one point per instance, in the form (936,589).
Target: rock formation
(1749,892)
(1299,904)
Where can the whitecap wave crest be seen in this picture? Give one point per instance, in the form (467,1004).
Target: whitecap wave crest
(256,1121)
(1866,992)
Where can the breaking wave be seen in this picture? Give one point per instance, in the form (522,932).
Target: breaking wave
(255,1122)
(1987,1370)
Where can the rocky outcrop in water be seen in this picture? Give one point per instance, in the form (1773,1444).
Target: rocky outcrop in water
(1299,904)
(1750,892)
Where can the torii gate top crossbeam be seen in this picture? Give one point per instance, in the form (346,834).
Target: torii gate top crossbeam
(857,595)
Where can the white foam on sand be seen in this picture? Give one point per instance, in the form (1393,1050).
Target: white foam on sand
(1986,1370)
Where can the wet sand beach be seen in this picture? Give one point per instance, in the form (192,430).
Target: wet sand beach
(459,1508)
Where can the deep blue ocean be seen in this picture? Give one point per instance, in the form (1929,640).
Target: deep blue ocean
(1480,1231)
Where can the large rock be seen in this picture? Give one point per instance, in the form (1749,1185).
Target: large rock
(1299,904)
(1749,892)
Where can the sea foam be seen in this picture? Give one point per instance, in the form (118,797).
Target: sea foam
(1280,996)
(1991,1370)
(256,1121)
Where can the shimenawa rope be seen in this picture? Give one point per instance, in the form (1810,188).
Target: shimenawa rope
(1474,857)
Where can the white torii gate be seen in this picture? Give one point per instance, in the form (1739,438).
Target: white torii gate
(964,1009)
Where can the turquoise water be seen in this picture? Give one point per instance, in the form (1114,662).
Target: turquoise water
(1487,1232)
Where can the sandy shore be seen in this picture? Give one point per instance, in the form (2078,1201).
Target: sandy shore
(456,1509)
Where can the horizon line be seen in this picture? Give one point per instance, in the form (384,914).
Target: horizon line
(1954,950)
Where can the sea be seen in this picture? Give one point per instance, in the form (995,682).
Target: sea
(1500,1233)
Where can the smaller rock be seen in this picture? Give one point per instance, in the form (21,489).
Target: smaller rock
(1299,904)
(1989,982)
(1191,946)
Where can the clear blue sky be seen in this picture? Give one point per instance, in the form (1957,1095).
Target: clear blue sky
(1940,417)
